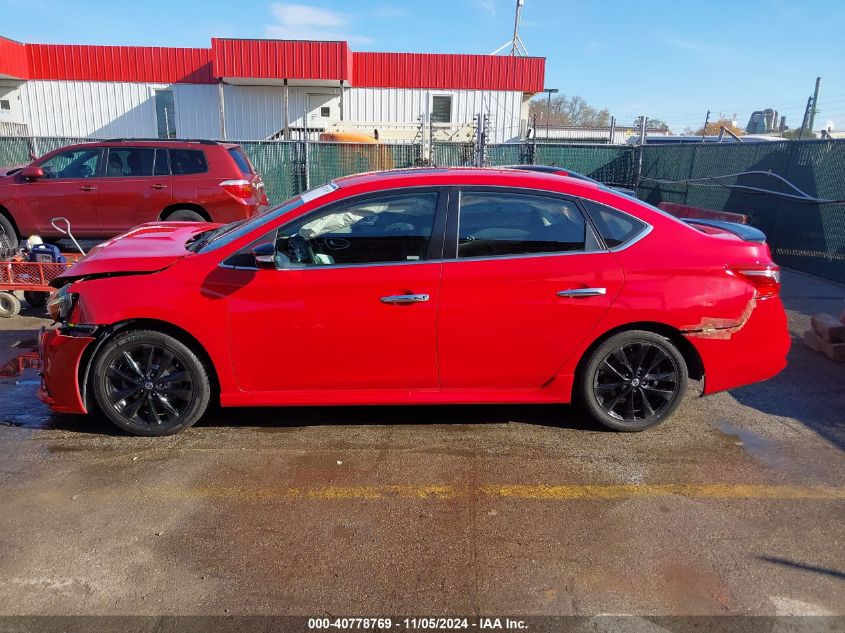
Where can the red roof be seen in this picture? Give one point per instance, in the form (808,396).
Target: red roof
(470,72)
(281,59)
(13,59)
(120,63)
(271,60)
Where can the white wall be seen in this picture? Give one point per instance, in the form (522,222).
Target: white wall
(406,106)
(114,109)
(89,108)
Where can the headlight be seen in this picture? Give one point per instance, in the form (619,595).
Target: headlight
(60,304)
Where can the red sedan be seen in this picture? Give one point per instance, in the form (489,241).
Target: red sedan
(420,286)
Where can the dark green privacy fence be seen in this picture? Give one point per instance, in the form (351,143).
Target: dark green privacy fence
(804,221)
(793,191)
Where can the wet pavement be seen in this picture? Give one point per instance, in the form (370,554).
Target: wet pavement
(736,506)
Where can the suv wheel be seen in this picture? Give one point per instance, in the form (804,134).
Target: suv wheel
(184,215)
(633,381)
(8,237)
(150,383)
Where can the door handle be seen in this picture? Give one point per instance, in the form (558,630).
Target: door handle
(87,188)
(577,293)
(159,186)
(404,299)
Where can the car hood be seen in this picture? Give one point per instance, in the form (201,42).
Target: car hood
(146,248)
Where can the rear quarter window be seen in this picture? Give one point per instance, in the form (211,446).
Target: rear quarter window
(187,161)
(615,227)
(240,160)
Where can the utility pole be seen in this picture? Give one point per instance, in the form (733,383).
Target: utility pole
(706,121)
(806,118)
(549,109)
(612,130)
(815,103)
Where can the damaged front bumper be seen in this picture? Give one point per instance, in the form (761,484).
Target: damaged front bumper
(61,353)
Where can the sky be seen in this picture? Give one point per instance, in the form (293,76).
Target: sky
(671,60)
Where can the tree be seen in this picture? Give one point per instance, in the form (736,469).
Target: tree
(793,134)
(567,111)
(715,127)
(652,124)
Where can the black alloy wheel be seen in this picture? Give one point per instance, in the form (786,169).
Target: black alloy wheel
(634,381)
(149,383)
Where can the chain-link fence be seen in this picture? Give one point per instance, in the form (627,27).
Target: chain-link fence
(804,221)
(793,191)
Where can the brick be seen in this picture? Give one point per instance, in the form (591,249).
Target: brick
(834,351)
(829,328)
(812,340)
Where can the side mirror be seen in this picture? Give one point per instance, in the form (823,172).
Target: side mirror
(265,255)
(32,172)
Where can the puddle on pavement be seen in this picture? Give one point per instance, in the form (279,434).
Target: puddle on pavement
(756,446)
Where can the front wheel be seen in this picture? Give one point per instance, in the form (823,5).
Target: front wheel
(150,383)
(633,381)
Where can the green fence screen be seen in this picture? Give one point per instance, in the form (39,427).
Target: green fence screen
(729,177)
(721,176)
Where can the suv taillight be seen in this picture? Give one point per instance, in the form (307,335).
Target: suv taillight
(765,280)
(239,188)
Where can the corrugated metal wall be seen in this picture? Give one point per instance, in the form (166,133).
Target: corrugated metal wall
(13,59)
(406,105)
(282,59)
(119,63)
(429,70)
(111,109)
(89,108)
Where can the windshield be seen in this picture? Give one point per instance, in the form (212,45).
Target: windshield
(214,239)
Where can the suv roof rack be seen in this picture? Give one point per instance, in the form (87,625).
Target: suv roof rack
(203,141)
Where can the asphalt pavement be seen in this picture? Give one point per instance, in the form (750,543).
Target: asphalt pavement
(734,507)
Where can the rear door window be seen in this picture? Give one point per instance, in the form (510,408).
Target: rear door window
(129,162)
(615,227)
(502,223)
(241,161)
(187,161)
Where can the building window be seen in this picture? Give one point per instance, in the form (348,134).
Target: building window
(165,113)
(441,109)
(325,112)
(5,104)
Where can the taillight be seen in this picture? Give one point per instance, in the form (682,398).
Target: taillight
(765,280)
(239,188)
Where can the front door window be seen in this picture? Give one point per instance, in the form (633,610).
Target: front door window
(395,228)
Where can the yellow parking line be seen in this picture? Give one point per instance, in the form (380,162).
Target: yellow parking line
(534,492)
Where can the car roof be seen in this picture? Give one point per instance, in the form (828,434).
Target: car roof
(492,176)
(151,142)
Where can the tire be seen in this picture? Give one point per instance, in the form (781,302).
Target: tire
(8,237)
(36,299)
(10,305)
(185,215)
(150,406)
(631,392)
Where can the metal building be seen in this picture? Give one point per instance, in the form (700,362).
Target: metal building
(258,89)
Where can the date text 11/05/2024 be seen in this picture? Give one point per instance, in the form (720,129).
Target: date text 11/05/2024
(417,623)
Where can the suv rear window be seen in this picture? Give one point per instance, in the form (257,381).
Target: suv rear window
(240,160)
(187,161)
(615,227)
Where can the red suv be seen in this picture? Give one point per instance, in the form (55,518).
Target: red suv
(107,187)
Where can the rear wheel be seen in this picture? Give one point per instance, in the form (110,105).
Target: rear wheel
(8,237)
(150,383)
(185,215)
(633,381)
(10,305)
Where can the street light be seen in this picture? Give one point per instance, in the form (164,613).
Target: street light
(549,109)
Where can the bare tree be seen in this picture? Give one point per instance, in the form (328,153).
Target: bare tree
(567,111)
